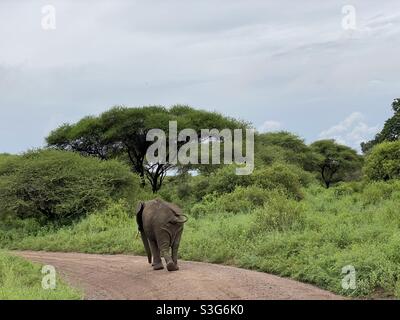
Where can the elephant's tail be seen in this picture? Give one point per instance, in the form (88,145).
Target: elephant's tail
(139,221)
(139,212)
(185,218)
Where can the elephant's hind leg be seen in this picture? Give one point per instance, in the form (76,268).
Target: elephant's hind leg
(164,244)
(157,263)
(175,247)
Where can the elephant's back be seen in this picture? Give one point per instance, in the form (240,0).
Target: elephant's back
(155,214)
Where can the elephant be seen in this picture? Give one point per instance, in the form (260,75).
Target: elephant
(160,224)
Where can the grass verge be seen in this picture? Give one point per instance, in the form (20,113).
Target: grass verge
(22,280)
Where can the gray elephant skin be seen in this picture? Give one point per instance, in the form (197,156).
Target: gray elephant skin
(160,225)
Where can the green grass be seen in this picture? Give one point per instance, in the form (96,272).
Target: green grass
(22,280)
(311,240)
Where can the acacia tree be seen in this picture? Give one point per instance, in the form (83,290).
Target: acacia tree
(283,147)
(336,162)
(390,131)
(121,133)
(86,137)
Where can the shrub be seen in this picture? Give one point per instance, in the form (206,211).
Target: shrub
(375,192)
(54,184)
(178,189)
(253,195)
(383,162)
(208,205)
(242,199)
(199,186)
(287,177)
(223,180)
(4,157)
(343,189)
(280,213)
(281,176)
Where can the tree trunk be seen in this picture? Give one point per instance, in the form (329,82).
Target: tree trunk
(327,184)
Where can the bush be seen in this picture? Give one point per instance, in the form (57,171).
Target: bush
(50,184)
(223,180)
(350,188)
(178,189)
(377,191)
(5,157)
(343,189)
(108,230)
(208,205)
(288,178)
(252,197)
(383,162)
(242,199)
(280,213)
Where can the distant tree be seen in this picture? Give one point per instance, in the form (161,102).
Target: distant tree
(336,162)
(390,131)
(383,161)
(121,133)
(283,147)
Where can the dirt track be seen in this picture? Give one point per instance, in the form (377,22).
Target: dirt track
(131,277)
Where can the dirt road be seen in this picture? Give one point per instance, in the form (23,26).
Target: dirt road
(131,277)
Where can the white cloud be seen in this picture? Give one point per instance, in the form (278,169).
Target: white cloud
(270,125)
(351,131)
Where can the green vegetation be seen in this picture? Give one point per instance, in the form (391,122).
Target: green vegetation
(336,162)
(383,161)
(121,133)
(55,185)
(306,212)
(311,240)
(390,131)
(283,147)
(22,280)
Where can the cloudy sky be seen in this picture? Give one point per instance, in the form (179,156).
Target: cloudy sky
(303,66)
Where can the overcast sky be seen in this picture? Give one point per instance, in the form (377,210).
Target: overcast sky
(279,64)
